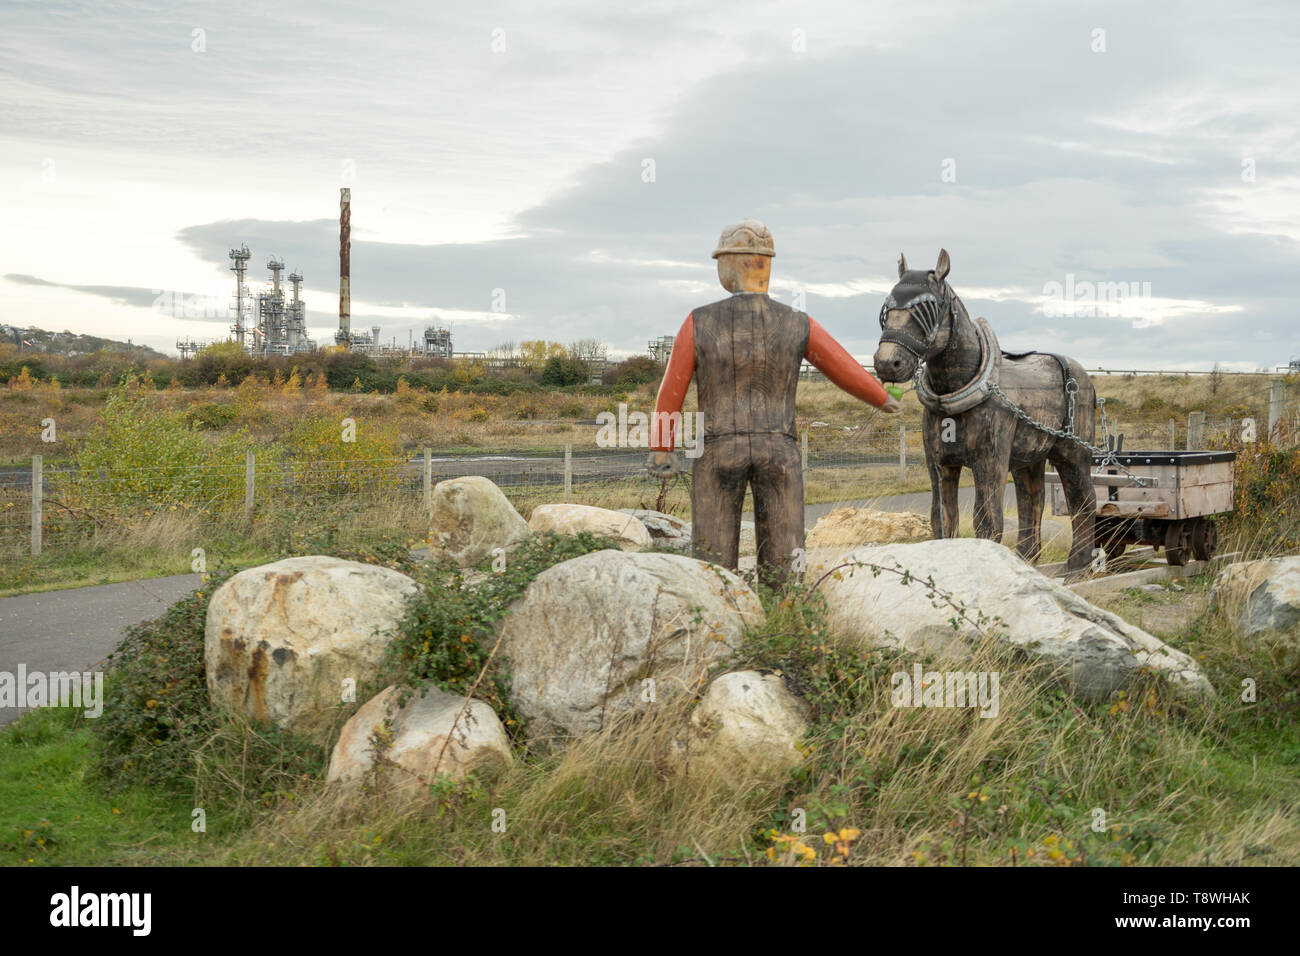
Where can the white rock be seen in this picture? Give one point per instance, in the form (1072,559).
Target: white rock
(664,529)
(748,724)
(575,519)
(588,633)
(1097,650)
(281,639)
(431,735)
(1261,595)
(471,518)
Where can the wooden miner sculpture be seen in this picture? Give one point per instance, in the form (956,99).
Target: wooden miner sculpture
(744,353)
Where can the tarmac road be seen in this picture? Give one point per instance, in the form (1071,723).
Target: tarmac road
(75,629)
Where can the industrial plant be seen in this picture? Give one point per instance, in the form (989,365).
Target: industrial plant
(266,323)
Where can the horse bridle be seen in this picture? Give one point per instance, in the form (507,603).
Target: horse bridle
(929,313)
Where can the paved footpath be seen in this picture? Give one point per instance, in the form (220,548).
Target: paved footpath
(75,629)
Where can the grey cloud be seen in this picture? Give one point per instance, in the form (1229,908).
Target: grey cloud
(124,295)
(839,153)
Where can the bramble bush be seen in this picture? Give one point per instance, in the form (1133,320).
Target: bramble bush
(448,633)
(1266,495)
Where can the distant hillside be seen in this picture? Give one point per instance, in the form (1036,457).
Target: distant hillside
(69,343)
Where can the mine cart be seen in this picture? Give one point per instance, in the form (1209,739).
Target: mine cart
(1173,506)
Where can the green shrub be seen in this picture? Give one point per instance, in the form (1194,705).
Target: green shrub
(558,372)
(1266,496)
(141,457)
(637,370)
(448,633)
(212,415)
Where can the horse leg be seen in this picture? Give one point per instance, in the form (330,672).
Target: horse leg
(1029,509)
(1075,469)
(990,486)
(949,475)
(936,510)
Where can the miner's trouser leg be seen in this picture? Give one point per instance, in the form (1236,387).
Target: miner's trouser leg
(771,465)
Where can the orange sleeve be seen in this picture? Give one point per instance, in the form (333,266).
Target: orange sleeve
(841,368)
(672,390)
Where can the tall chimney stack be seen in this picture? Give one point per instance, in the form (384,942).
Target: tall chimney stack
(344,335)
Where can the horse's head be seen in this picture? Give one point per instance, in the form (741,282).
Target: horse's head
(913,318)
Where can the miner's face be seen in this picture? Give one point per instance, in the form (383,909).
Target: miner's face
(739,272)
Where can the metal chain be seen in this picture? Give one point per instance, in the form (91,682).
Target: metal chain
(1068,431)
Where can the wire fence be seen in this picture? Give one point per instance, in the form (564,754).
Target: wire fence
(48,506)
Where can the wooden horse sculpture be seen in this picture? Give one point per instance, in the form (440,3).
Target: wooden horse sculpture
(990,411)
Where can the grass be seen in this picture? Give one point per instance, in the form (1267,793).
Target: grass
(55,814)
(163,543)
(539,423)
(1180,783)
(544,421)
(154,545)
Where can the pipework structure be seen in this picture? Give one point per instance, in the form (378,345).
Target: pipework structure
(437,342)
(272,326)
(660,349)
(239,263)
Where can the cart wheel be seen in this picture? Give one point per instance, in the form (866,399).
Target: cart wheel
(1205,539)
(1178,542)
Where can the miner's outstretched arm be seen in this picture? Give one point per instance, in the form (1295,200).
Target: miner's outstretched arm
(672,390)
(843,370)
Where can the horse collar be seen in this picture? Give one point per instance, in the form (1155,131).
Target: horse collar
(974,392)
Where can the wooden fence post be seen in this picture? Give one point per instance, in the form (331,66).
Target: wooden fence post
(568,471)
(803,458)
(1173,429)
(249,466)
(1276,396)
(902,453)
(428,481)
(1195,429)
(37,495)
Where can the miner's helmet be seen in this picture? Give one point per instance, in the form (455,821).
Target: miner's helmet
(749,237)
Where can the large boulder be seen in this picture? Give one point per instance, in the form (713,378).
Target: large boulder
(575,519)
(282,639)
(431,735)
(851,527)
(1261,595)
(1096,650)
(1262,599)
(588,634)
(471,519)
(748,724)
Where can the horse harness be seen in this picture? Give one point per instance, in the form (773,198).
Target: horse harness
(930,313)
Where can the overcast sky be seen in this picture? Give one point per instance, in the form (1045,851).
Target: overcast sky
(583,158)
